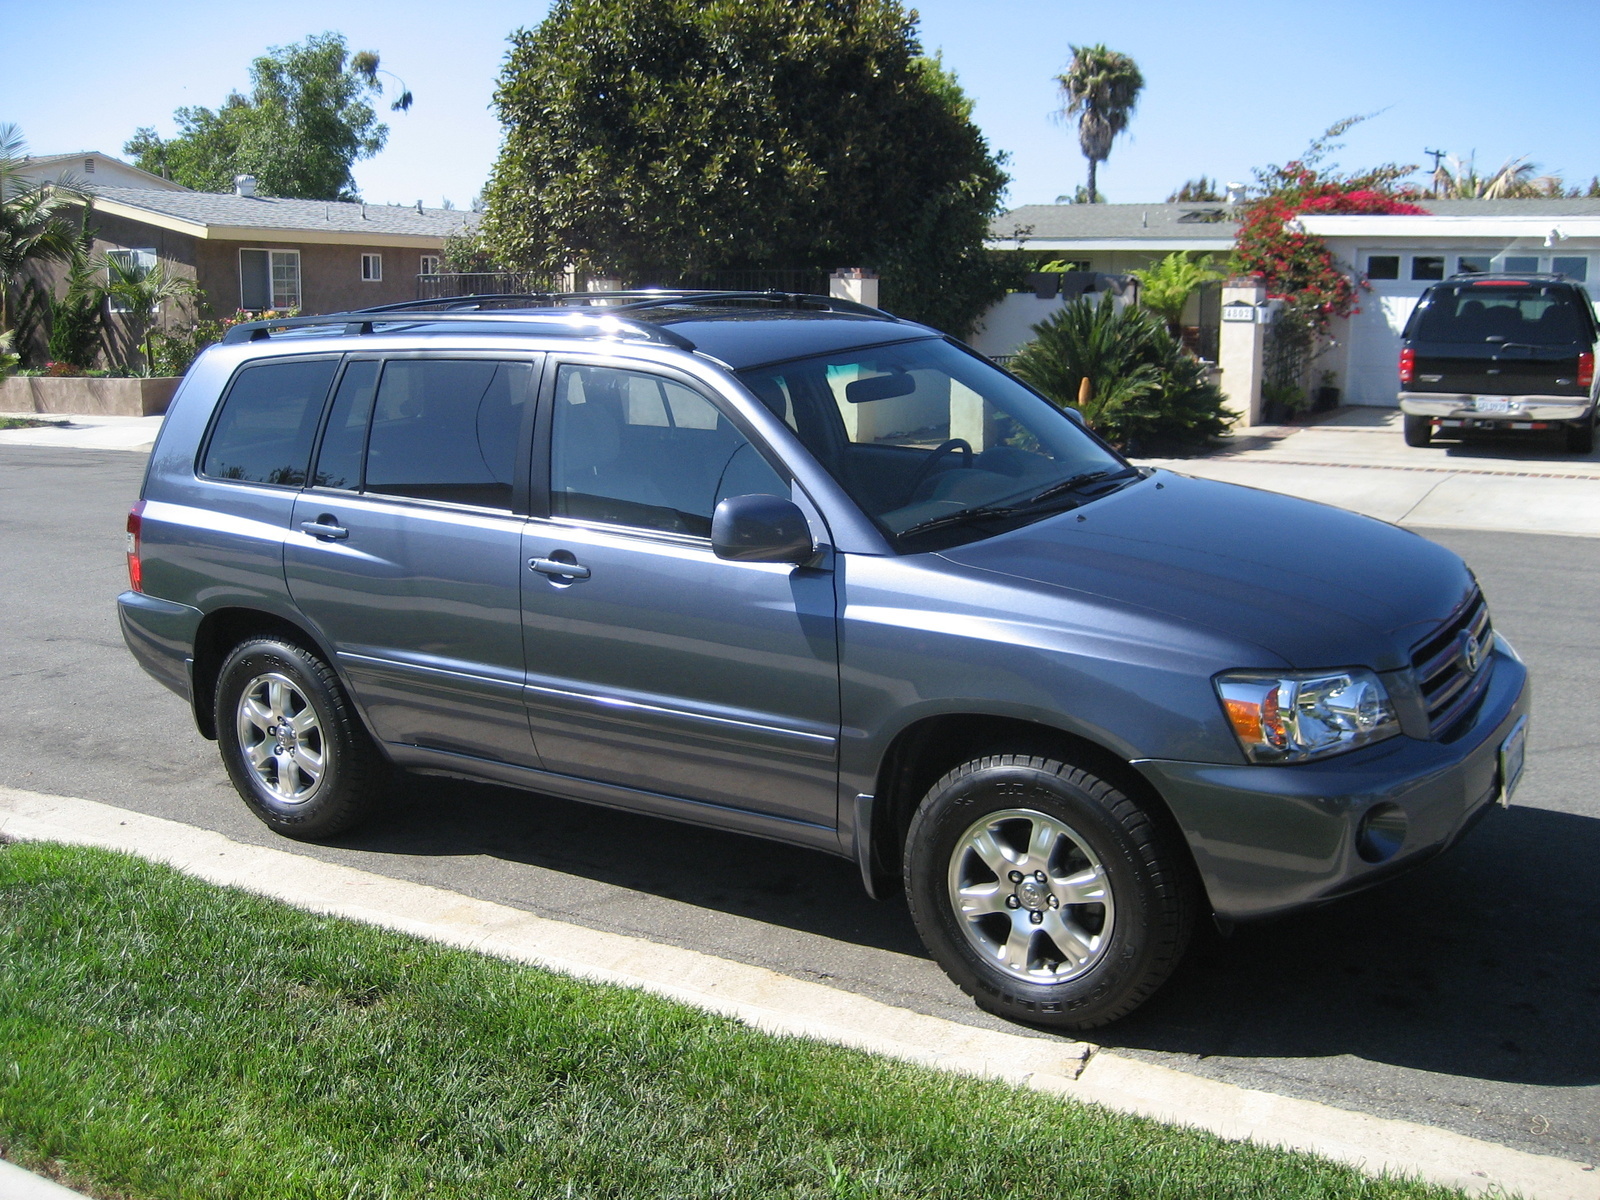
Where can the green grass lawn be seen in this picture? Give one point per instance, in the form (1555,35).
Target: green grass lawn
(162,1037)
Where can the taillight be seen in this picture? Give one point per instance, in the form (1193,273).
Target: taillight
(135,526)
(1408,364)
(1585,369)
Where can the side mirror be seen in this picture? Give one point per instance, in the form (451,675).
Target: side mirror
(761,529)
(1074,413)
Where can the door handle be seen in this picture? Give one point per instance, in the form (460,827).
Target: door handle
(557,569)
(326,530)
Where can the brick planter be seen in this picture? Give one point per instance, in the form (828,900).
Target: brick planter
(86,397)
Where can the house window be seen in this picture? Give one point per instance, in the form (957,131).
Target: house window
(430,264)
(1427,266)
(144,260)
(1472,264)
(1575,268)
(1383,266)
(372,268)
(1520,265)
(269,279)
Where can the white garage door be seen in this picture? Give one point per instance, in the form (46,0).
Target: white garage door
(1375,341)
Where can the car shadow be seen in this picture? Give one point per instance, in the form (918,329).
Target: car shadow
(1483,963)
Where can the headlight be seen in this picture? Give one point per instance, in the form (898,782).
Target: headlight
(1294,716)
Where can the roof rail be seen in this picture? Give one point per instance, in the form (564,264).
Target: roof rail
(363,322)
(593,313)
(1547,276)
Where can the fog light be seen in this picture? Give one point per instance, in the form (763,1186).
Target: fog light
(1382,831)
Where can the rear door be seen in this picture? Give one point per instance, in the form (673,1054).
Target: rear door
(404,551)
(652,663)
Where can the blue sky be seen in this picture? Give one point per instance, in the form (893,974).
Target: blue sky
(1229,85)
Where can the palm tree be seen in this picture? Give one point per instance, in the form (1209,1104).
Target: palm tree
(1100,88)
(1165,287)
(141,288)
(33,223)
(1454,179)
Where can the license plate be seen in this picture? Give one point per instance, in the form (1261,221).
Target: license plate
(1513,752)
(1483,405)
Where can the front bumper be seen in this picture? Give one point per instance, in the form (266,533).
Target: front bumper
(1268,839)
(1452,406)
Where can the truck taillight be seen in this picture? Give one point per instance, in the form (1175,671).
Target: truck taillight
(1408,364)
(1585,369)
(135,526)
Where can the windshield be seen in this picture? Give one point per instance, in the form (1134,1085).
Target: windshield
(927,438)
(1526,314)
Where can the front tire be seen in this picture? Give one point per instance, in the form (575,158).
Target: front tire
(293,746)
(1419,431)
(1045,892)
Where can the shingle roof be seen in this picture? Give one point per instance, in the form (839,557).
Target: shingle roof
(1179,222)
(1576,206)
(266,212)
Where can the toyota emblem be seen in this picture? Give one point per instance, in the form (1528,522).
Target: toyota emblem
(1471,652)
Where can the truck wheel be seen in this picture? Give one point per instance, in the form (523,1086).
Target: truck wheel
(1419,431)
(1580,437)
(1045,892)
(294,748)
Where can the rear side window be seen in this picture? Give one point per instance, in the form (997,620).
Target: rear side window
(445,429)
(268,420)
(1534,314)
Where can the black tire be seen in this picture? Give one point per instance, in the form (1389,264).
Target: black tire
(1148,878)
(1419,431)
(1580,437)
(276,781)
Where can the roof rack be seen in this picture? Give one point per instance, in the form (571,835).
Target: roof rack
(591,313)
(1541,276)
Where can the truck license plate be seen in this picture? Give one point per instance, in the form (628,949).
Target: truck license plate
(1513,751)
(1483,405)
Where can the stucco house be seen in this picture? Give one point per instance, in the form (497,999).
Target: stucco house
(1396,257)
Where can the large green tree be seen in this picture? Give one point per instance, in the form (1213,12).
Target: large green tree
(653,136)
(306,121)
(1100,89)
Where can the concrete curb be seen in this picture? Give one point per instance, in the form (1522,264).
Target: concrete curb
(779,1004)
(19,1184)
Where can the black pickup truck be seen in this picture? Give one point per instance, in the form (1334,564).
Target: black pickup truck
(1500,352)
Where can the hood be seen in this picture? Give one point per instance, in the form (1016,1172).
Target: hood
(1315,586)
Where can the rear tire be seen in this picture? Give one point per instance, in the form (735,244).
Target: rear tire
(1580,437)
(1045,892)
(1419,431)
(296,751)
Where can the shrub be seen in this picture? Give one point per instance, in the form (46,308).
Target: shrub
(1142,388)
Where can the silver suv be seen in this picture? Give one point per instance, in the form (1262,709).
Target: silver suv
(790,566)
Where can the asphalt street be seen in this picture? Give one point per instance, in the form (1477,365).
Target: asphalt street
(1463,995)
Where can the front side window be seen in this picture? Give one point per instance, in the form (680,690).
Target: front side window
(268,420)
(921,431)
(439,429)
(269,279)
(631,448)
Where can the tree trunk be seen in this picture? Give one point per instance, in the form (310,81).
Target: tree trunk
(1092,194)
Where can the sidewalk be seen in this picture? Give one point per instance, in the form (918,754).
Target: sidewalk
(1356,458)
(84,433)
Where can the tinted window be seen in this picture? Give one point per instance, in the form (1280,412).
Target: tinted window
(446,429)
(1540,315)
(339,460)
(264,432)
(1427,266)
(1383,266)
(630,448)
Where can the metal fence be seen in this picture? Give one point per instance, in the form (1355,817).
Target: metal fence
(808,280)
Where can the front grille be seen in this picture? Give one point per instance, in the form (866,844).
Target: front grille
(1449,687)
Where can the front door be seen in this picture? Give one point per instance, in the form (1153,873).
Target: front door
(652,663)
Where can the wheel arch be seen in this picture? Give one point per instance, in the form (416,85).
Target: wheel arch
(925,750)
(223,629)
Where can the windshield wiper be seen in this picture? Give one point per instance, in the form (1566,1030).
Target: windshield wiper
(961,517)
(1076,482)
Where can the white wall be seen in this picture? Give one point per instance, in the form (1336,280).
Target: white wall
(1008,325)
